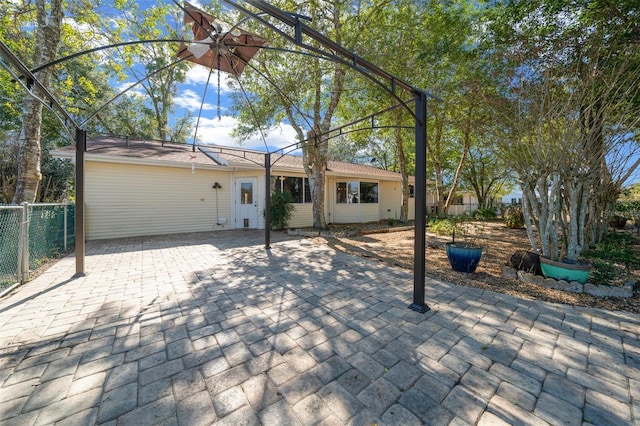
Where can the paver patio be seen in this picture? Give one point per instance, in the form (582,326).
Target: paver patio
(211,328)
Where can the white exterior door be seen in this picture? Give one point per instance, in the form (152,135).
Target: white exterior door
(246,202)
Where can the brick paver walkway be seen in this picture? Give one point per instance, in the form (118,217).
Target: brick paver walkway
(211,328)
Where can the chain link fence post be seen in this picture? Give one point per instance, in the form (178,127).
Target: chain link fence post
(66,210)
(23,245)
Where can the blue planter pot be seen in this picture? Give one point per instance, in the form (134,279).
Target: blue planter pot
(463,258)
(567,271)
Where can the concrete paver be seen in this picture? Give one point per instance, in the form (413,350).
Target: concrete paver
(211,328)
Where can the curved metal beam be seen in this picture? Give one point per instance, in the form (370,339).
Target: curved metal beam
(146,77)
(32,80)
(354,62)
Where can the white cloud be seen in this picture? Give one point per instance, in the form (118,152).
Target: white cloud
(136,90)
(217,132)
(199,74)
(192,101)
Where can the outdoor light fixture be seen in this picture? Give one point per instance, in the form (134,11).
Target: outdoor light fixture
(216,186)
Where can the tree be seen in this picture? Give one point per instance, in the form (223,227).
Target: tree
(149,63)
(36,31)
(570,108)
(452,63)
(47,38)
(307,93)
(433,50)
(485,173)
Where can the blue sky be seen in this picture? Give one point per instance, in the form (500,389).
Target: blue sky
(211,129)
(194,94)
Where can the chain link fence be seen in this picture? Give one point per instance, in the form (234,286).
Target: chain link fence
(31,234)
(10,220)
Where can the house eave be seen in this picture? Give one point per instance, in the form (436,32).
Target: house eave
(103,158)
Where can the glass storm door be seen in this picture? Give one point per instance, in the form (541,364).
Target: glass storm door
(246,203)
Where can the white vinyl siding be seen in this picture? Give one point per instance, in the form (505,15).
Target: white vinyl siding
(412,209)
(124,200)
(345,213)
(390,200)
(302,216)
(369,213)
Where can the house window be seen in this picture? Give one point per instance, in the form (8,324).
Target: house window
(297,187)
(294,186)
(457,199)
(369,192)
(354,192)
(307,191)
(347,192)
(412,191)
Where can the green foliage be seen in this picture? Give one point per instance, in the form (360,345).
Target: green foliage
(462,230)
(615,251)
(616,247)
(628,209)
(514,217)
(603,272)
(449,225)
(484,214)
(442,226)
(281,210)
(631,193)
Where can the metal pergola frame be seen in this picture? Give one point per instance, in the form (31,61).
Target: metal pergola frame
(335,52)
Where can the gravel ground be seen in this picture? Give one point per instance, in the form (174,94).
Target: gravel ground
(500,242)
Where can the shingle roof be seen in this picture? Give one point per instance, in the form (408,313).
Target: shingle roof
(216,155)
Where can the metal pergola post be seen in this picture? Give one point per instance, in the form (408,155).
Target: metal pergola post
(267,201)
(368,68)
(81,148)
(419,255)
(81,143)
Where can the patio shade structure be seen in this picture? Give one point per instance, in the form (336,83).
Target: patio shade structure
(228,52)
(222,51)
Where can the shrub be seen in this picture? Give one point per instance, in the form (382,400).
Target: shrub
(484,214)
(611,257)
(281,210)
(442,226)
(514,217)
(616,248)
(603,272)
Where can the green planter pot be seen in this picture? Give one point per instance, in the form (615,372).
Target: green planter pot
(568,271)
(463,258)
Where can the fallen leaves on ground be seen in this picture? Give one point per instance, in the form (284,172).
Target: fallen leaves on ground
(499,242)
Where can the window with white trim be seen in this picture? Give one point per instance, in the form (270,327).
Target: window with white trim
(297,187)
(354,192)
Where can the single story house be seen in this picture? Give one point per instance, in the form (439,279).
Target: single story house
(513,198)
(137,187)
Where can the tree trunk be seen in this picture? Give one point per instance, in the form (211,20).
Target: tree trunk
(402,164)
(315,166)
(527,210)
(463,157)
(30,154)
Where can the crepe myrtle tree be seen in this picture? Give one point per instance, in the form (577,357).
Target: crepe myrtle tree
(564,144)
(569,112)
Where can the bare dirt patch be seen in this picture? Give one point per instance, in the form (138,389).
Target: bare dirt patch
(499,242)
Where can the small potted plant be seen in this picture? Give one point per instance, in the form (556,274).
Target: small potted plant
(465,253)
